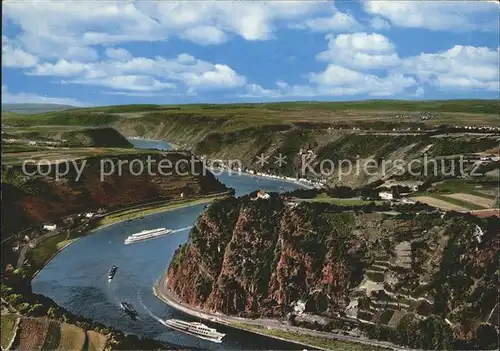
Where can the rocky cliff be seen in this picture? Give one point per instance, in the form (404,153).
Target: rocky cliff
(264,257)
(35,199)
(380,146)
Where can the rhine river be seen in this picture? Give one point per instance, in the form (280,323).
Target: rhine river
(77,277)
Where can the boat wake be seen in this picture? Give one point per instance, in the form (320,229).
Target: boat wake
(151,314)
(181,229)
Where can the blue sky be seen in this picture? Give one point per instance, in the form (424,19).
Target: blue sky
(100,53)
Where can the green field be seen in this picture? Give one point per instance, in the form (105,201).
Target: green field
(480,187)
(457,202)
(341,202)
(147,210)
(9,326)
(14,156)
(230,117)
(45,249)
(53,336)
(317,341)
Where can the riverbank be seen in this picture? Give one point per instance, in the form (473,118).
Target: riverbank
(48,249)
(173,146)
(271,327)
(301,182)
(157,207)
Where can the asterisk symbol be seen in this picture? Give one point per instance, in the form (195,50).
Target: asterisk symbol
(262,160)
(280,160)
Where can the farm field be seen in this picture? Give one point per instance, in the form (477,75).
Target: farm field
(442,204)
(96,341)
(473,199)
(461,195)
(53,336)
(9,328)
(16,157)
(72,338)
(46,334)
(239,116)
(339,201)
(32,333)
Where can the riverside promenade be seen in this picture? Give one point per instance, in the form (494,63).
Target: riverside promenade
(161,290)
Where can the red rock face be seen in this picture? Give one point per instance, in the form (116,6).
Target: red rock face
(272,258)
(90,193)
(257,258)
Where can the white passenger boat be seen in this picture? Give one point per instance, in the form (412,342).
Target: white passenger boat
(146,235)
(196,329)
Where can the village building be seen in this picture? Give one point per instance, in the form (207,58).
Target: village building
(262,195)
(386,195)
(49,227)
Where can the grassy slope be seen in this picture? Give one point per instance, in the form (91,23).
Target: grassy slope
(147,210)
(9,322)
(321,342)
(340,202)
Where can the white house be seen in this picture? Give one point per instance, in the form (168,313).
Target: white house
(385,195)
(49,227)
(262,195)
(89,214)
(300,307)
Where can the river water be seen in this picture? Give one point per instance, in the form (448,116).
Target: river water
(77,277)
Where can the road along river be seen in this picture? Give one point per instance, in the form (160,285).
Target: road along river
(77,277)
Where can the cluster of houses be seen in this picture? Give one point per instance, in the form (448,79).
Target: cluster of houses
(479,129)
(50,227)
(318,183)
(392,190)
(425,116)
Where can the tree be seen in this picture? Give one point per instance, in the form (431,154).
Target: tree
(487,337)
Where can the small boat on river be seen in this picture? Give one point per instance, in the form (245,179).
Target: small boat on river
(112,272)
(129,309)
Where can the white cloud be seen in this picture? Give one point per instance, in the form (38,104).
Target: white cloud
(22,97)
(378,23)
(361,50)
(135,94)
(205,35)
(68,30)
(127,82)
(336,22)
(144,74)
(220,76)
(16,57)
(338,80)
(461,67)
(61,68)
(438,15)
(118,54)
(256,91)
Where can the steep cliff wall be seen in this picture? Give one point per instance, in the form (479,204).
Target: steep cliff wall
(370,144)
(35,199)
(256,258)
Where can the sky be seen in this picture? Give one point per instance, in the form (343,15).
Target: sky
(90,53)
